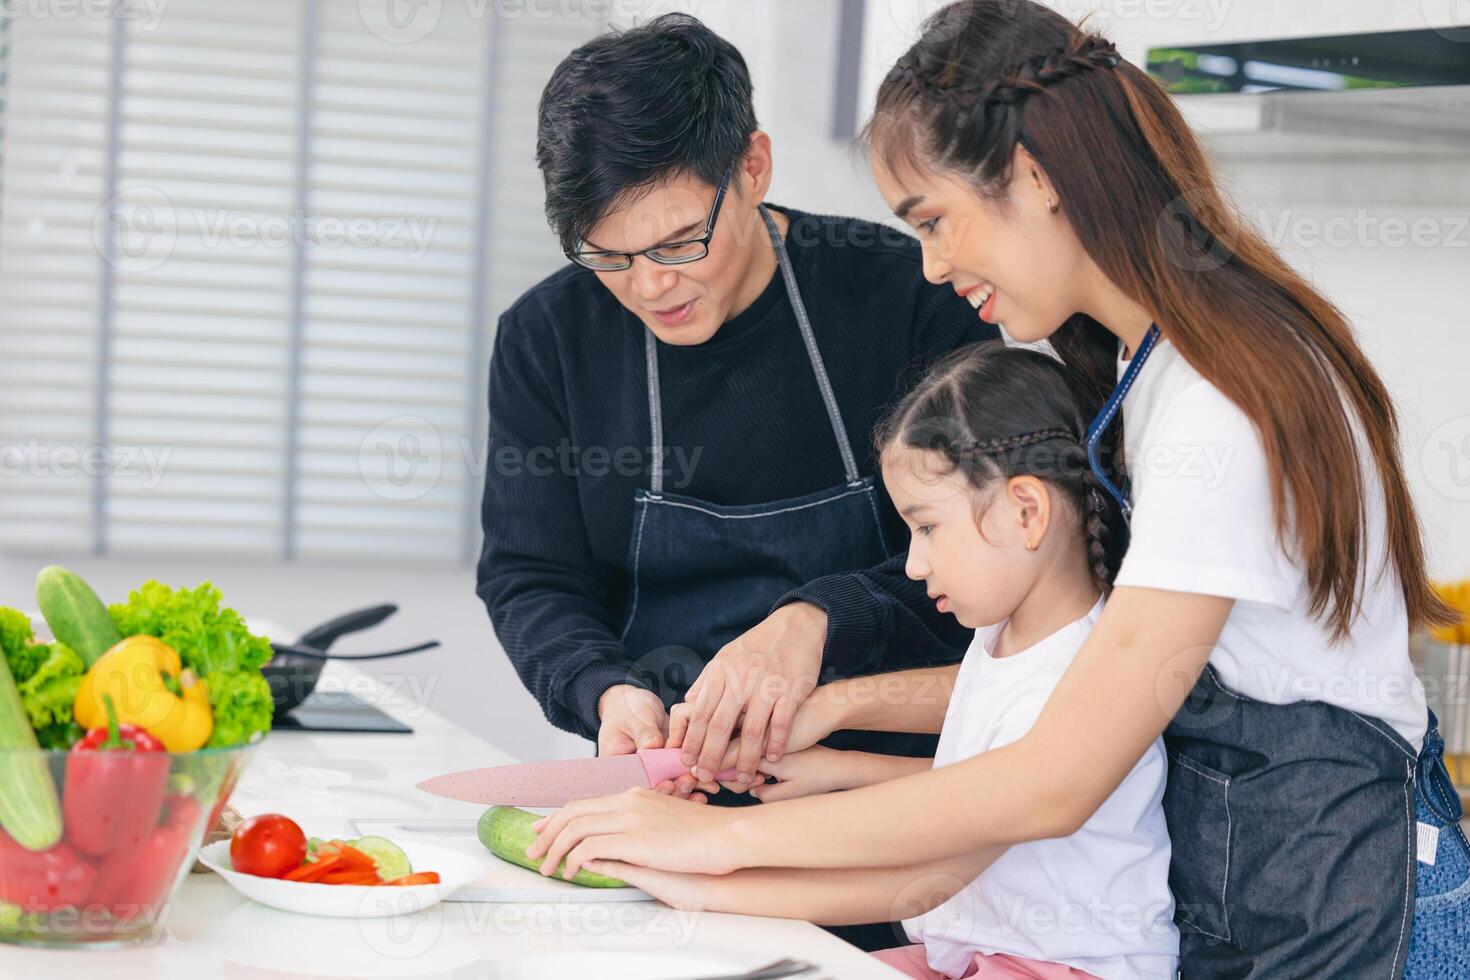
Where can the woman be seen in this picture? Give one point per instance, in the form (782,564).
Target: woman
(1260,619)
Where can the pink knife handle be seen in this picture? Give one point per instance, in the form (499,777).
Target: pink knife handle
(661,764)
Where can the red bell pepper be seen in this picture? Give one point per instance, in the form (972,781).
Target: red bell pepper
(115,781)
(132,880)
(39,881)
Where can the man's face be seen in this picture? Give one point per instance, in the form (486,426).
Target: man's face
(684,304)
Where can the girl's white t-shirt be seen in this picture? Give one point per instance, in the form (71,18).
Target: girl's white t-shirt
(1097,900)
(1203,522)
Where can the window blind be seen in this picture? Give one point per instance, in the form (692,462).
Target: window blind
(251,256)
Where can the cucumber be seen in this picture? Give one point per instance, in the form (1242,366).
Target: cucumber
(388,856)
(75,614)
(506,832)
(30,810)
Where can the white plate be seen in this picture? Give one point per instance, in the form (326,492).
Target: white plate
(612,965)
(353,901)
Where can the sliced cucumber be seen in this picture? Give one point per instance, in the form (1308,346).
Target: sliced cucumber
(314,846)
(388,856)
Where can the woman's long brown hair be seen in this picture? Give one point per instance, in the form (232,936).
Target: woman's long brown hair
(988,75)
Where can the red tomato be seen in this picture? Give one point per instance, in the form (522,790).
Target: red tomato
(268,845)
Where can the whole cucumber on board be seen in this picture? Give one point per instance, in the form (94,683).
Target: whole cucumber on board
(506,831)
(75,614)
(29,808)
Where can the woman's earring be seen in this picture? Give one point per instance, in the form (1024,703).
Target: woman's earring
(1052,206)
(1030,545)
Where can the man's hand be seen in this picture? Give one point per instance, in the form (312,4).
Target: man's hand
(633,718)
(757,681)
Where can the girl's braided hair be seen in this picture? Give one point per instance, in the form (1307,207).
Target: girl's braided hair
(995,412)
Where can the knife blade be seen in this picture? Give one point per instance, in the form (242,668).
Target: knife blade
(560,782)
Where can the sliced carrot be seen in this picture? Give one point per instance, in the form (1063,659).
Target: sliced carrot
(315,870)
(351,878)
(353,858)
(417,878)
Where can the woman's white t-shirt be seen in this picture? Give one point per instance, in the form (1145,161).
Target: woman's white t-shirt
(1097,900)
(1203,522)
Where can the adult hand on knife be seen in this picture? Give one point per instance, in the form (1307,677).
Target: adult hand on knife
(756,681)
(633,718)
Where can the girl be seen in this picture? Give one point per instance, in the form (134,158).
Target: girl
(1011,532)
(1260,619)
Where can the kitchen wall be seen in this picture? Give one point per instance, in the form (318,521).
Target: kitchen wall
(1404,299)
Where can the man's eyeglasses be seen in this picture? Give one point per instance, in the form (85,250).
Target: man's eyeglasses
(669,253)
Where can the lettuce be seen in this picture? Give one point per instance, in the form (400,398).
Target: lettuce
(22,655)
(215,644)
(50,692)
(46,675)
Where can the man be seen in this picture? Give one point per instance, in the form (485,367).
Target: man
(680,420)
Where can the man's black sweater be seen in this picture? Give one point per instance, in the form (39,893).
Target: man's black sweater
(743,423)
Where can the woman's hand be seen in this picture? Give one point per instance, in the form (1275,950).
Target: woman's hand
(756,682)
(639,826)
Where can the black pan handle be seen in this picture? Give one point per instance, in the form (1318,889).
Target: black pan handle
(323,636)
(310,653)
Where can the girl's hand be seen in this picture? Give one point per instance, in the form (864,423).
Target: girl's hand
(815,719)
(639,826)
(806,773)
(690,892)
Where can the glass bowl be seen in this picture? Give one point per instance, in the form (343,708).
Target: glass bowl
(94,845)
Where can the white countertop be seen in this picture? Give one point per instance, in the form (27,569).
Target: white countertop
(324,781)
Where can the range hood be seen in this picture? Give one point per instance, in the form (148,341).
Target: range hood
(1400,93)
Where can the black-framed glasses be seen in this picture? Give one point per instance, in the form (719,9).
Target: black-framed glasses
(669,253)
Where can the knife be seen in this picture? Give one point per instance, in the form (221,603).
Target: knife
(556,783)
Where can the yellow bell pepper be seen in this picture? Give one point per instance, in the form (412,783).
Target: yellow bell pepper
(132,672)
(1457,595)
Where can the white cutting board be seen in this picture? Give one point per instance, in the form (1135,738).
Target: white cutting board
(502,881)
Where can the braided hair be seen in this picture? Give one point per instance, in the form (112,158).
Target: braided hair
(995,412)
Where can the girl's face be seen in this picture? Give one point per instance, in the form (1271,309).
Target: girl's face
(1014,259)
(975,562)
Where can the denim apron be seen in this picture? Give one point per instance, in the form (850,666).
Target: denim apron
(1299,837)
(703,573)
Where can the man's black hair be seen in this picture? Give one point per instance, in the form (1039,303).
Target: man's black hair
(633,108)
